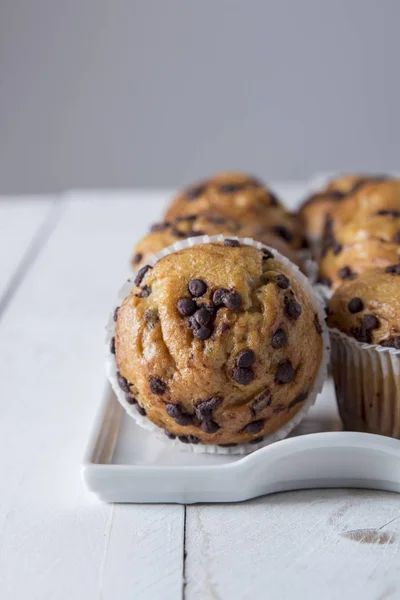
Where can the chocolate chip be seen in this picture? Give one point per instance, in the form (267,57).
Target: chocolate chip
(159,226)
(203,316)
(202,333)
(137,258)
(324,281)
(231,188)
(346,273)
(245,358)
(140,274)
(363,333)
(317,324)
(285,372)
(112,346)
(231,243)
(282,281)
(178,415)
(192,439)
(396,238)
(254,427)
(393,342)
(292,308)
(267,254)
(197,287)
(355,305)
(115,315)
(388,213)
(195,191)
(232,300)
(337,248)
(209,426)
(150,317)
(178,233)
(278,408)
(123,383)
(188,439)
(204,408)
(170,435)
(144,292)
(242,375)
(192,323)
(130,399)
(141,410)
(370,322)
(157,385)
(299,398)
(219,295)
(283,232)
(186,306)
(393,269)
(261,402)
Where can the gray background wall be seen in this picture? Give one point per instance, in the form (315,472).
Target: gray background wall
(158,92)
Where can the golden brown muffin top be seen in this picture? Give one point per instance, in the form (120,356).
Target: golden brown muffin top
(368,308)
(219,342)
(366,242)
(240,197)
(371,198)
(315,208)
(165,233)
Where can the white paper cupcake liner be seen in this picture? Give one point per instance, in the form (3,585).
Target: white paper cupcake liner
(111,365)
(367,382)
(324,293)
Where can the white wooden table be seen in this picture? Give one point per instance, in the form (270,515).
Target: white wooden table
(61,261)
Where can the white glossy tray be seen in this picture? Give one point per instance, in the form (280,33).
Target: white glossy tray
(125,463)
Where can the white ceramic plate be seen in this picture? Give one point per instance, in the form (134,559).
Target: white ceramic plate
(125,463)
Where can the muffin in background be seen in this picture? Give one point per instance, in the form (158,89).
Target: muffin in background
(366,242)
(318,206)
(165,233)
(371,198)
(364,318)
(240,197)
(218,344)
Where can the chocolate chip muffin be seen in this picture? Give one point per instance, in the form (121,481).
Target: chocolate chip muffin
(364,243)
(165,233)
(218,343)
(320,204)
(240,197)
(362,312)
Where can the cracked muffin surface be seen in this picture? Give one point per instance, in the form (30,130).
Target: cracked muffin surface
(165,233)
(366,242)
(240,197)
(368,308)
(217,343)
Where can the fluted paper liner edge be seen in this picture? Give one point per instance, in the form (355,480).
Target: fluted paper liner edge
(367,383)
